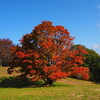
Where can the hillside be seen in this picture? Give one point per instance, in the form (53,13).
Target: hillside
(73,81)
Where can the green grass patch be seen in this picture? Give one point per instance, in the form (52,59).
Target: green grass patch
(57,92)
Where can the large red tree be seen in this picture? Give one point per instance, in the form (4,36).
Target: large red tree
(46,54)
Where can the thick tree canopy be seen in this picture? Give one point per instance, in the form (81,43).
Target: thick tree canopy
(46,54)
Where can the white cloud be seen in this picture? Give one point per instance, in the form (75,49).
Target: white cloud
(98,6)
(96,46)
(98,25)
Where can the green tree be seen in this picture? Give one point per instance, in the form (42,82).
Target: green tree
(92,62)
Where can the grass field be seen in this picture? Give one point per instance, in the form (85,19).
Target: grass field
(66,89)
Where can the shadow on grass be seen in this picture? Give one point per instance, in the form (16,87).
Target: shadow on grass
(98,83)
(12,82)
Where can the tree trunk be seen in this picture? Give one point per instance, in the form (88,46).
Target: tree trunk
(0,62)
(48,82)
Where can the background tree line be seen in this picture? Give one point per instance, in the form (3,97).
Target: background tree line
(5,51)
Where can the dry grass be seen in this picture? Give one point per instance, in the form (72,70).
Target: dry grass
(73,81)
(3,72)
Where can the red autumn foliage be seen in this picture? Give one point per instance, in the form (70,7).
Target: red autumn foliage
(46,53)
(80,72)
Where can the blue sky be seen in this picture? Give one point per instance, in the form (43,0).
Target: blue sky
(80,17)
